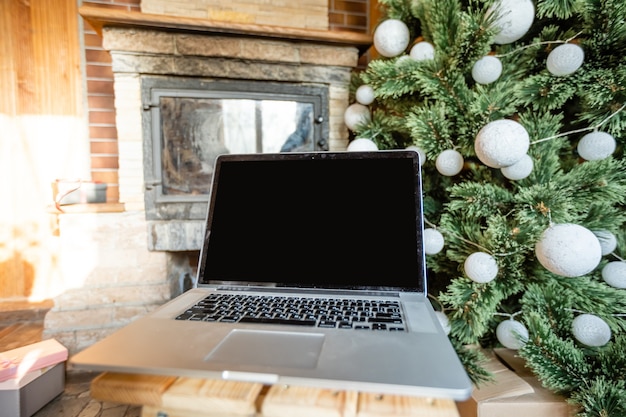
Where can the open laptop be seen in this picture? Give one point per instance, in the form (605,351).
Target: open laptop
(312,273)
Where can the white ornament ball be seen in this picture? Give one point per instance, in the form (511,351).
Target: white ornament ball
(362,144)
(608,241)
(433,241)
(501,143)
(512,334)
(568,250)
(449,162)
(365,94)
(480,267)
(422,51)
(519,170)
(614,274)
(596,145)
(444,321)
(565,59)
(591,330)
(487,70)
(515,17)
(355,115)
(391,37)
(419,151)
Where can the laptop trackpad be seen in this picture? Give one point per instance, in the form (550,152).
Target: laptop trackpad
(269,348)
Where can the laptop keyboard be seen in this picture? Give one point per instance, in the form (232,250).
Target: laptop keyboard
(340,313)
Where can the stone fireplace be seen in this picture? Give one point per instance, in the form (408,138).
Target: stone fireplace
(145,255)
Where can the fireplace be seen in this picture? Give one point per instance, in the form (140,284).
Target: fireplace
(166,65)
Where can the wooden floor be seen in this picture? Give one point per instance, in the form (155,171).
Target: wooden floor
(21,324)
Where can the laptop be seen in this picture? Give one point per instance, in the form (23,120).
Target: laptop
(312,273)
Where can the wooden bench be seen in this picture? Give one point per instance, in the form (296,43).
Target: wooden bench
(166,396)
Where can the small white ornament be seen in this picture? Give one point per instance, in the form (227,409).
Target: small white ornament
(515,17)
(596,145)
(501,143)
(355,115)
(591,330)
(391,37)
(480,267)
(444,321)
(422,51)
(365,95)
(362,144)
(449,162)
(614,274)
(565,59)
(433,241)
(608,241)
(487,70)
(512,334)
(519,170)
(568,250)
(419,151)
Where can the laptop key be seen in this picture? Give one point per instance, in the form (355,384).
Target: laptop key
(266,320)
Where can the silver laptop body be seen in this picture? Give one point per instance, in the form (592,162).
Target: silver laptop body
(330,245)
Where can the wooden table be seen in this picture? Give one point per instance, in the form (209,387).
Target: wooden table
(166,396)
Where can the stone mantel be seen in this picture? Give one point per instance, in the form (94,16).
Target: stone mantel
(100,17)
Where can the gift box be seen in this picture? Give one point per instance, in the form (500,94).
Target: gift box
(514,392)
(23,397)
(30,377)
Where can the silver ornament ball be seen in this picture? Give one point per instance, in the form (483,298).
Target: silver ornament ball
(519,170)
(565,59)
(514,19)
(365,95)
(487,70)
(568,250)
(512,334)
(355,115)
(433,241)
(362,144)
(614,274)
(501,143)
(449,162)
(422,51)
(591,330)
(391,37)
(595,146)
(480,267)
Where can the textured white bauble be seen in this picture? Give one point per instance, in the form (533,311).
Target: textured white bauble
(355,115)
(487,70)
(444,321)
(608,241)
(591,330)
(480,267)
(596,145)
(419,151)
(433,241)
(449,162)
(614,274)
(501,143)
(565,59)
(362,144)
(391,37)
(365,94)
(519,170)
(515,17)
(512,334)
(568,250)
(422,51)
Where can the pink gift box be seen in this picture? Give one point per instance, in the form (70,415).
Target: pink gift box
(18,362)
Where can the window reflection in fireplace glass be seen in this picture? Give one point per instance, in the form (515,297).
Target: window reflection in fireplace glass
(196,130)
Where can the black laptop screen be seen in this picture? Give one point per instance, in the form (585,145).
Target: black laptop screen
(338,220)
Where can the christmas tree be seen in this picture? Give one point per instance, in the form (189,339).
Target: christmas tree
(517,109)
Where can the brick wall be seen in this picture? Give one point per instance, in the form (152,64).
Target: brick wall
(342,15)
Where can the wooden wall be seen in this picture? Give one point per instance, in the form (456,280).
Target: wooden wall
(41,130)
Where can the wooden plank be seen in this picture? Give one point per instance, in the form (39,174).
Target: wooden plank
(374,405)
(212,396)
(289,401)
(130,389)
